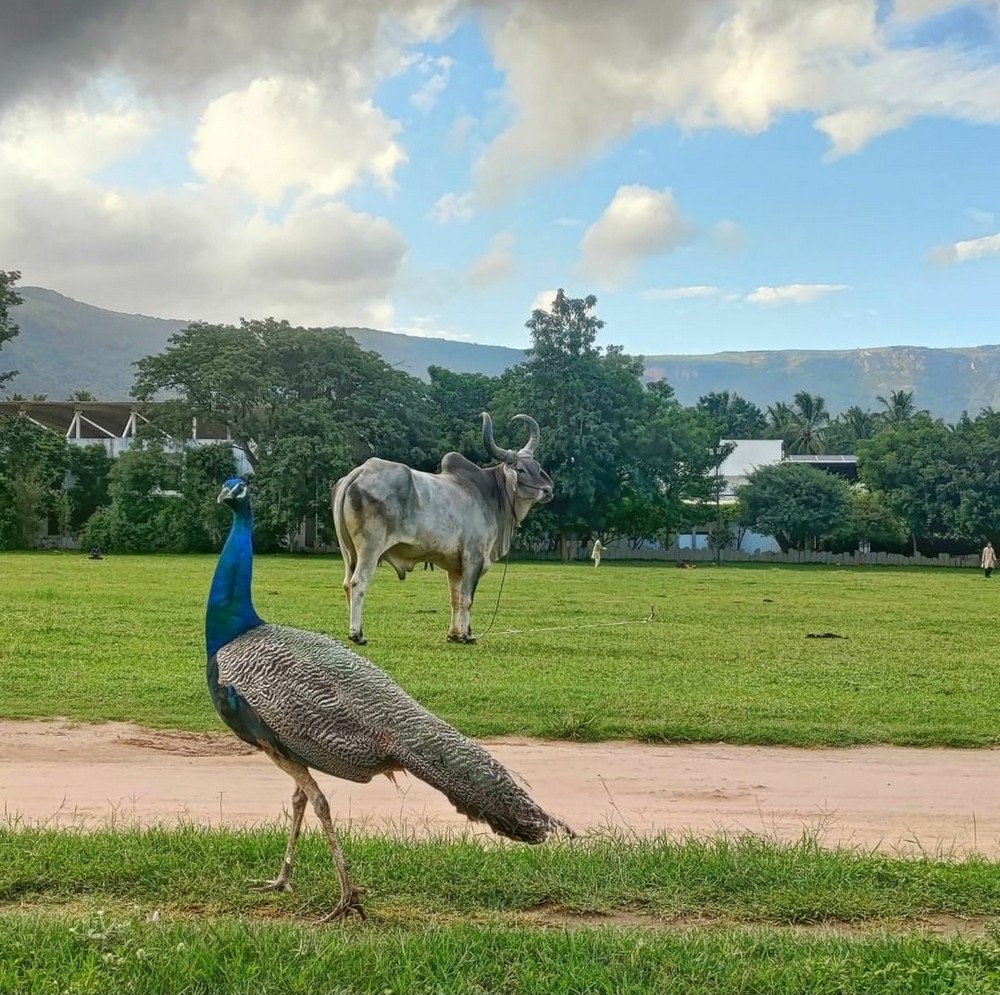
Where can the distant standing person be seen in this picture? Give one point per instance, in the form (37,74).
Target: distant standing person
(595,553)
(989,559)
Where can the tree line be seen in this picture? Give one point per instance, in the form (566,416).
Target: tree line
(305,405)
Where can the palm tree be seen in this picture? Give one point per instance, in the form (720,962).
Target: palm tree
(899,406)
(779,419)
(809,421)
(861,423)
(780,423)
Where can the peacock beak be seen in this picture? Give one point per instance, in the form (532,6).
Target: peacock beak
(224,495)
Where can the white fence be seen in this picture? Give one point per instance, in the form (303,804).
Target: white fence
(794,556)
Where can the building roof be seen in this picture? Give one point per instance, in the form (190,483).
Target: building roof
(97,419)
(748,455)
(834,459)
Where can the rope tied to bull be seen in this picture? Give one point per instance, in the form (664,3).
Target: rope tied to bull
(550,628)
(506,563)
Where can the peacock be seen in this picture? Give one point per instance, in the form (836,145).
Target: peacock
(308,702)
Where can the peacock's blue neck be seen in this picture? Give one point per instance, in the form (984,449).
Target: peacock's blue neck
(230,610)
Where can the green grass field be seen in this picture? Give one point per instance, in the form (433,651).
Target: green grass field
(725,658)
(165,912)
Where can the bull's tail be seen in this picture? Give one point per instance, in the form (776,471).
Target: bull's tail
(347,547)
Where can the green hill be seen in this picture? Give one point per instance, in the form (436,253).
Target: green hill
(66,346)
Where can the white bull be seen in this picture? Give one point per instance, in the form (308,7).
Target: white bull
(461,518)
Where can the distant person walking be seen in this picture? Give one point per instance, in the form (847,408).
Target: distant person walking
(595,553)
(989,559)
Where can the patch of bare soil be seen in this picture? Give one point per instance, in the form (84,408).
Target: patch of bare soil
(897,800)
(942,925)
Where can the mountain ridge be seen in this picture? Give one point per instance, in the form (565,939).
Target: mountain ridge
(66,345)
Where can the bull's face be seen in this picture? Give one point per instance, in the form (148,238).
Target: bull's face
(533,485)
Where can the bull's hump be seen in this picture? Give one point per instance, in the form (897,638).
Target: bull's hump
(457,463)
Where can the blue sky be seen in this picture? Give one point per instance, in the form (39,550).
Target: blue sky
(737,175)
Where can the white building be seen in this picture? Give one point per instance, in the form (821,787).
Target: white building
(113,424)
(749,455)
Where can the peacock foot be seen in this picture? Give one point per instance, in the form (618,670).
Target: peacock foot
(349,904)
(275,884)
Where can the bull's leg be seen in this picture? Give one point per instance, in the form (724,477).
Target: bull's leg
(461,602)
(456,633)
(356,587)
(476,571)
(350,562)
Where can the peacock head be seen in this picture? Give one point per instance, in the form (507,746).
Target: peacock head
(235,494)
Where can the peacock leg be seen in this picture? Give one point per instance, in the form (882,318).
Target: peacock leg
(283,882)
(350,895)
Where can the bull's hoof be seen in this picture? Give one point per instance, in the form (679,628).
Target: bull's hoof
(359,639)
(468,640)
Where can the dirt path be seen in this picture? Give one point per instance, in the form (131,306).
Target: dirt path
(896,799)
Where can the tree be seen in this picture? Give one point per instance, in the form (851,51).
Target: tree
(9,298)
(163,501)
(899,406)
(796,504)
(677,455)
(780,422)
(304,404)
(89,471)
(33,462)
(975,457)
(809,421)
(458,400)
(732,416)
(909,463)
(869,522)
(588,402)
(845,432)
(623,457)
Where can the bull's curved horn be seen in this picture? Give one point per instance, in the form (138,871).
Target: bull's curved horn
(507,455)
(535,433)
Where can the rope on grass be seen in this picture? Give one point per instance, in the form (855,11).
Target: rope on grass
(568,628)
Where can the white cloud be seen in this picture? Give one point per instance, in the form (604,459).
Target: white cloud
(735,64)
(966,251)
(496,264)
(438,71)
(852,129)
(699,291)
(458,207)
(919,10)
(543,300)
(639,222)
(566,222)
(60,143)
(194,49)
(322,264)
(980,217)
(282,134)
(426,326)
(728,236)
(793,293)
(282,100)
(460,132)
